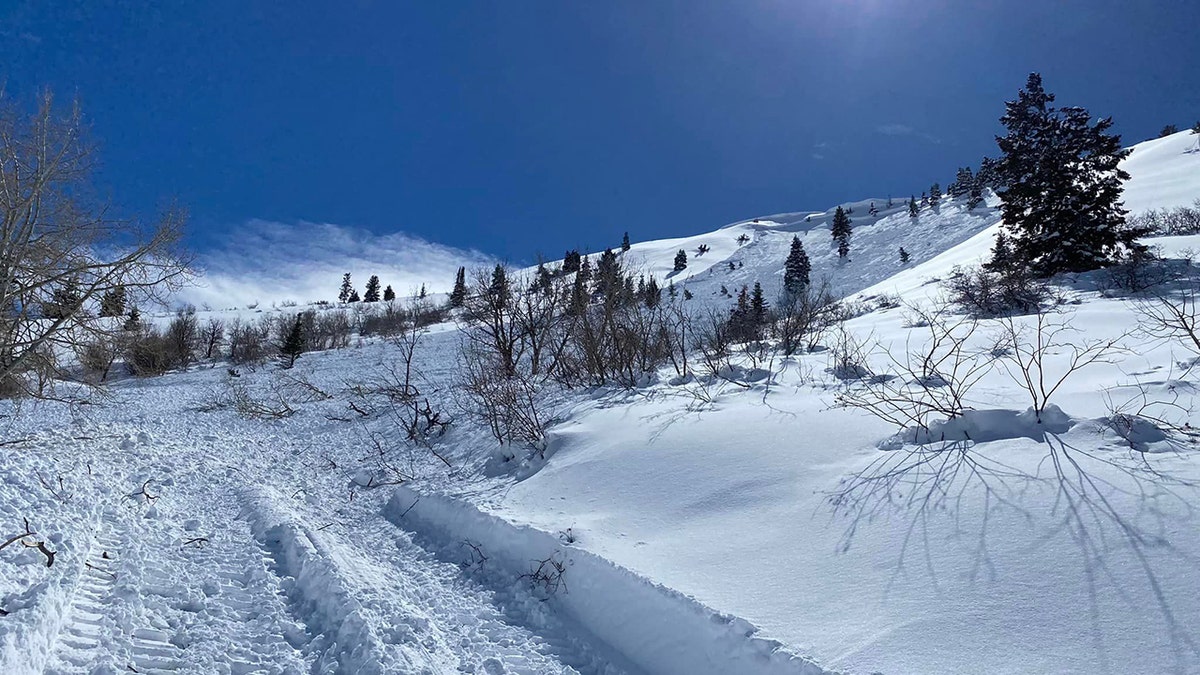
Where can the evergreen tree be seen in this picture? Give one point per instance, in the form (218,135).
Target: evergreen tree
(889,201)
(963,180)
(571,262)
(988,176)
(687,295)
(458,296)
(1196,128)
(1063,183)
(912,207)
(974,195)
(841,232)
(671,290)
(579,296)
(924,200)
(112,303)
(758,306)
(499,289)
(653,294)
(625,243)
(133,321)
(903,256)
(585,269)
(608,272)
(421,293)
(1168,130)
(1001,257)
(347,288)
(681,260)
(542,280)
(354,297)
(873,211)
(935,195)
(388,294)
(796,269)
(371,293)
(293,343)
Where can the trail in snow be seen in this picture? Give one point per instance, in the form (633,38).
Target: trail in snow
(243,559)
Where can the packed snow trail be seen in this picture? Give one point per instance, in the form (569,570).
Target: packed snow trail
(205,543)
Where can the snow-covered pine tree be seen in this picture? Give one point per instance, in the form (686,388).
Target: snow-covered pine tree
(681,260)
(935,195)
(924,200)
(873,211)
(912,207)
(458,296)
(1168,130)
(841,230)
(347,288)
(904,257)
(796,269)
(1196,128)
(1063,184)
(625,243)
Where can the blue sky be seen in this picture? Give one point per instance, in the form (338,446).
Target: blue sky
(520,127)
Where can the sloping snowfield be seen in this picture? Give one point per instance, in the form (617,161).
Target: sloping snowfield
(746,524)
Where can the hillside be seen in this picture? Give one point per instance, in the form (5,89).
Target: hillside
(254,519)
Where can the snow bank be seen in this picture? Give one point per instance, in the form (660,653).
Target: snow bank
(660,630)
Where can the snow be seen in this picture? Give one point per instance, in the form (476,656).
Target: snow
(714,524)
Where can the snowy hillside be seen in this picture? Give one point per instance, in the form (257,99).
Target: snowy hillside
(261,520)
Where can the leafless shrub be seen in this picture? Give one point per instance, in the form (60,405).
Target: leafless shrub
(848,355)
(987,294)
(248,342)
(800,319)
(1180,220)
(212,336)
(1172,315)
(930,380)
(97,357)
(1042,355)
(148,352)
(183,337)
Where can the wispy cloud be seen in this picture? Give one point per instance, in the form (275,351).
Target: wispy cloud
(268,261)
(894,129)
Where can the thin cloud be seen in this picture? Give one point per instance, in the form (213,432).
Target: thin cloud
(895,129)
(266,261)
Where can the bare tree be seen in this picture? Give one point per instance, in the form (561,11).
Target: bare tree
(60,252)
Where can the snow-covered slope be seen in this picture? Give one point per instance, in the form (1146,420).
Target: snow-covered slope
(1162,175)
(688,526)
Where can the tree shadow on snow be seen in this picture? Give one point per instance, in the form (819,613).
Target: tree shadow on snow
(1103,500)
